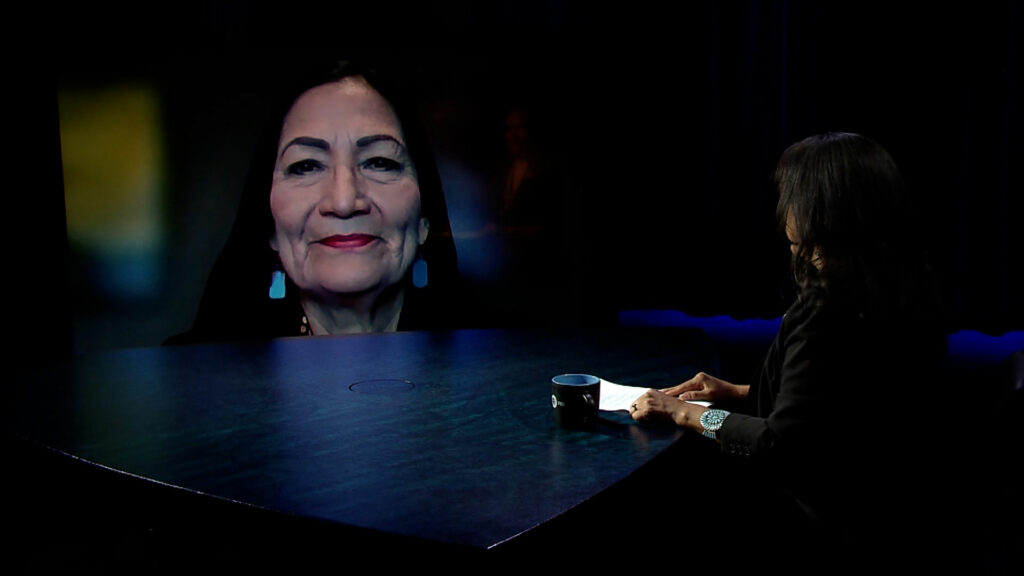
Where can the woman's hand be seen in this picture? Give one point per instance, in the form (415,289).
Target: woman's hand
(707,388)
(656,406)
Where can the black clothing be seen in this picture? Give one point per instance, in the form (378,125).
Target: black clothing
(830,421)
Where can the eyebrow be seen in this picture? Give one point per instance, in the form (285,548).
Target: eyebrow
(321,144)
(368,140)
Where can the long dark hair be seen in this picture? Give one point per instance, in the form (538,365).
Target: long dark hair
(849,201)
(235,303)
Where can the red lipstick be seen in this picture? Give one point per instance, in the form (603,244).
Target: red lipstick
(347,241)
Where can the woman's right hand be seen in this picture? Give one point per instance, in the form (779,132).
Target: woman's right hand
(707,388)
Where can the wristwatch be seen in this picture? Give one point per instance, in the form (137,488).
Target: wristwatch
(711,420)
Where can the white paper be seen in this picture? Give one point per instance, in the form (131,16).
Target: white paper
(618,397)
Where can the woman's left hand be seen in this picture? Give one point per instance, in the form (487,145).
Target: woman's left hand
(654,406)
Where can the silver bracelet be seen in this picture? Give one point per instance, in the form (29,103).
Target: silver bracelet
(711,420)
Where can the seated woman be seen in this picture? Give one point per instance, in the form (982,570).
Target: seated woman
(342,226)
(846,380)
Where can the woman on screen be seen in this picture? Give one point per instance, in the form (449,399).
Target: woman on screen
(342,226)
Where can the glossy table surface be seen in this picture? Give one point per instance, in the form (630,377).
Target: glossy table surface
(445,436)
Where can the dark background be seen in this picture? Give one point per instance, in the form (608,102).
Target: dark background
(664,126)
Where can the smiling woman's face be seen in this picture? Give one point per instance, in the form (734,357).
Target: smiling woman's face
(345,198)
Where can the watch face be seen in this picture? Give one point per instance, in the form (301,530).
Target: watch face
(712,419)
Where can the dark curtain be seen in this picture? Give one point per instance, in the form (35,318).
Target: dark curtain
(719,92)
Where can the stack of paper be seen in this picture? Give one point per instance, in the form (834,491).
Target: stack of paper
(618,397)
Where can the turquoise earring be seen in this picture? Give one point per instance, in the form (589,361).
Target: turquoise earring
(277,284)
(419,273)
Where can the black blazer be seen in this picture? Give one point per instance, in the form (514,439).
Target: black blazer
(832,419)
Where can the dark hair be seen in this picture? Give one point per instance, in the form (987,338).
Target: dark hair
(235,303)
(848,199)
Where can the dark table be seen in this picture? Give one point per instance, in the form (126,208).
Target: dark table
(439,441)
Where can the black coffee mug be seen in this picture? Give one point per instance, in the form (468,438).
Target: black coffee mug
(575,399)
